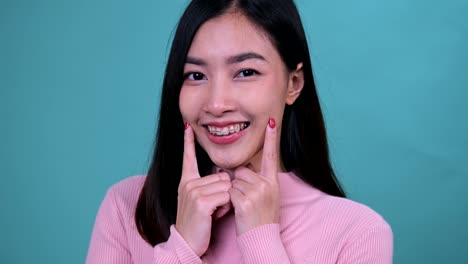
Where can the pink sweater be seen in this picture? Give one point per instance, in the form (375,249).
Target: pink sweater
(314,228)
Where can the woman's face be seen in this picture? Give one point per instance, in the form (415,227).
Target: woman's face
(234,81)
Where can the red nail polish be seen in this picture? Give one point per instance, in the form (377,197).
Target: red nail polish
(186,125)
(271,122)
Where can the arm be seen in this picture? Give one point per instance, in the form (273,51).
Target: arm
(175,250)
(263,245)
(109,243)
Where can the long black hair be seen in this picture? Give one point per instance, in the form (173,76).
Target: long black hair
(303,146)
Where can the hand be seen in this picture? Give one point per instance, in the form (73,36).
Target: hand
(255,197)
(198,199)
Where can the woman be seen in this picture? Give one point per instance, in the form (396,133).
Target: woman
(241,171)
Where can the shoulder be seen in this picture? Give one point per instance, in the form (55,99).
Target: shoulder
(124,194)
(358,232)
(352,222)
(128,186)
(338,228)
(364,234)
(340,217)
(354,215)
(114,234)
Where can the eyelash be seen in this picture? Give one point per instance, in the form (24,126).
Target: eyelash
(254,72)
(251,73)
(187,75)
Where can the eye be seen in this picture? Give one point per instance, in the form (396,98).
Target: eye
(194,76)
(247,73)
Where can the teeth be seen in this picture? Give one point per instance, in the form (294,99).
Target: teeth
(224,131)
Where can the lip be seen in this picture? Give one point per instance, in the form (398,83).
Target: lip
(224,140)
(223,123)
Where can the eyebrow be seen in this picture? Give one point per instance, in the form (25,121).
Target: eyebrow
(230,60)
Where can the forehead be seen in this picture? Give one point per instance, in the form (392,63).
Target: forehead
(229,34)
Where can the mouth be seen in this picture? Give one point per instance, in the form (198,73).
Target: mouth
(222,131)
(225,133)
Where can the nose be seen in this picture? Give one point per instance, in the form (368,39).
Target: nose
(220,98)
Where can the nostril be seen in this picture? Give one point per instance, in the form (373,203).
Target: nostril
(219,104)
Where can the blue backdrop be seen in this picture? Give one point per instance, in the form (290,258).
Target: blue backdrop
(79,98)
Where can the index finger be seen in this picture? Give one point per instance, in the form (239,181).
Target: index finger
(189,162)
(270,151)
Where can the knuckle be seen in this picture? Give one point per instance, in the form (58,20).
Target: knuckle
(188,185)
(225,176)
(199,204)
(185,185)
(246,205)
(220,176)
(202,204)
(225,197)
(195,194)
(229,183)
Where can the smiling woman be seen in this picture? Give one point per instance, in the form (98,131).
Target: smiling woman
(240,171)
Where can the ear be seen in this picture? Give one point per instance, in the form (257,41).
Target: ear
(295,84)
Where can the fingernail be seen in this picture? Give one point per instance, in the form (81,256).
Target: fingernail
(186,125)
(272,122)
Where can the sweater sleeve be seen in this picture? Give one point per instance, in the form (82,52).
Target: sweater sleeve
(109,243)
(263,245)
(175,250)
(375,245)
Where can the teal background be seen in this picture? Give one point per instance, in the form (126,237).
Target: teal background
(79,97)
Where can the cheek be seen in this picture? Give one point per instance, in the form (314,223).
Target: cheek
(270,97)
(187,106)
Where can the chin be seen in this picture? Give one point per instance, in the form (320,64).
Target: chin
(229,157)
(227,164)
(227,161)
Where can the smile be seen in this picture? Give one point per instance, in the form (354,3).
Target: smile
(227,130)
(227,133)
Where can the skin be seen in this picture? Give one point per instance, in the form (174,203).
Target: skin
(253,89)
